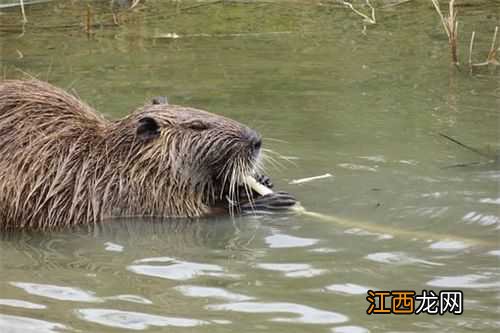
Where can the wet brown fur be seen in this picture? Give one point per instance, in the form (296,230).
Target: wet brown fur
(63,164)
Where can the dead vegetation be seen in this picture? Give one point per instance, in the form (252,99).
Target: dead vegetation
(491,59)
(450,25)
(366,19)
(120,10)
(23,12)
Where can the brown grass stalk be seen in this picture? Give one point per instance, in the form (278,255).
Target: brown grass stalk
(492,54)
(367,19)
(450,25)
(493,50)
(88,20)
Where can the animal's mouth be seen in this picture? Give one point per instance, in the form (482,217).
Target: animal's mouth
(238,191)
(240,188)
(234,181)
(255,195)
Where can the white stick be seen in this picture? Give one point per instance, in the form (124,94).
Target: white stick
(257,187)
(305,180)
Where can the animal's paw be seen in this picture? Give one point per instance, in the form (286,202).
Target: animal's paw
(264,180)
(276,201)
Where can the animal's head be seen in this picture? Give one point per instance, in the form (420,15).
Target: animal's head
(197,152)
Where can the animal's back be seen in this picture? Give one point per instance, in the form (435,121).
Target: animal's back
(43,107)
(44,131)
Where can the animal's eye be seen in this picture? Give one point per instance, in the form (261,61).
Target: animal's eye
(197,125)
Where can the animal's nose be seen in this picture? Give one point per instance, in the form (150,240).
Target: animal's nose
(257,143)
(254,139)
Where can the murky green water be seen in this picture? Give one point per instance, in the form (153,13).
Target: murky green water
(328,98)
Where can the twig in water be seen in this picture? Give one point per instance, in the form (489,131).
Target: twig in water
(493,50)
(477,151)
(450,25)
(134,3)
(492,54)
(88,21)
(471,46)
(305,180)
(25,20)
(461,165)
(366,18)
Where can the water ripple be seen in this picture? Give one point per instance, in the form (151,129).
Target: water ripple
(134,320)
(113,247)
(449,245)
(13,324)
(348,288)
(287,241)
(176,269)
(350,329)
(494,253)
(485,220)
(374,158)
(220,293)
(357,167)
(475,281)
(361,232)
(432,212)
(58,292)
(292,270)
(305,314)
(324,250)
(21,304)
(495,201)
(130,298)
(398,258)
(409,162)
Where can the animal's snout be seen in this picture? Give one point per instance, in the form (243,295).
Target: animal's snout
(256,142)
(254,139)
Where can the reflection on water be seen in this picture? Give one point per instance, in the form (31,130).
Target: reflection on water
(287,241)
(449,245)
(21,304)
(494,253)
(113,247)
(398,258)
(130,298)
(349,288)
(175,269)
(486,281)
(305,314)
(134,320)
(349,329)
(210,292)
(293,270)
(327,99)
(16,324)
(57,292)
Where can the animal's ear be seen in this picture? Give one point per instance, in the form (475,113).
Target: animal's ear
(147,129)
(159,100)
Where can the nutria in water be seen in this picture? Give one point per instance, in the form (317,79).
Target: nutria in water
(61,163)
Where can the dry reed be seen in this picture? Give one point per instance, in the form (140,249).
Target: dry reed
(491,59)
(450,25)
